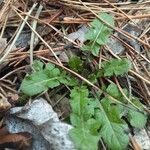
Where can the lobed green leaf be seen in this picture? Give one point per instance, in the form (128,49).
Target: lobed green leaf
(42,79)
(98,34)
(116,67)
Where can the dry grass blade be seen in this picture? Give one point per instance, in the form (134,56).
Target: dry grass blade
(7,51)
(39,37)
(34,24)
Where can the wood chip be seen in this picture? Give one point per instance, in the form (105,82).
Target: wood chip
(20,141)
(4,104)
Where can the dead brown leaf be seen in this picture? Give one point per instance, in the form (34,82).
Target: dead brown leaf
(4,104)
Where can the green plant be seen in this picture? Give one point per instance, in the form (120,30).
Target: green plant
(76,64)
(94,116)
(43,78)
(84,133)
(93,119)
(98,34)
(116,67)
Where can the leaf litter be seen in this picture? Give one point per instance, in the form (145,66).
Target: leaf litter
(93,72)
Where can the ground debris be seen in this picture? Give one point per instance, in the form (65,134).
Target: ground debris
(55,33)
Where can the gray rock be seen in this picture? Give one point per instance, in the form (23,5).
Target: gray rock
(115,45)
(142,138)
(39,119)
(135,31)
